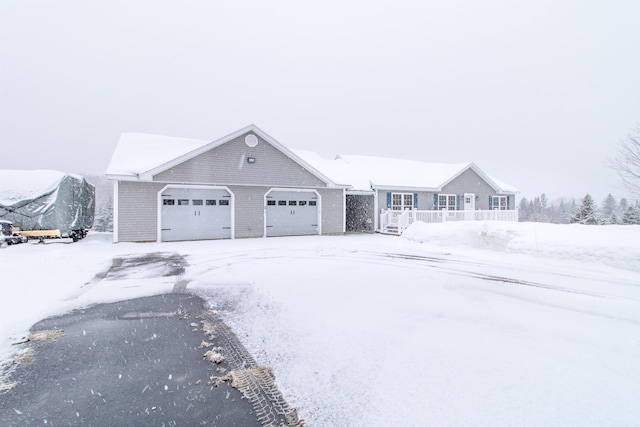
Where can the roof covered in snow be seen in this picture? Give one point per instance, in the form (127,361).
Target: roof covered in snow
(137,153)
(17,185)
(506,188)
(363,173)
(142,155)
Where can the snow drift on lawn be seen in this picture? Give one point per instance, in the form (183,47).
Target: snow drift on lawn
(368,330)
(615,245)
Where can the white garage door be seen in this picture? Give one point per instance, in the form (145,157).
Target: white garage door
(292,213)
(195,214)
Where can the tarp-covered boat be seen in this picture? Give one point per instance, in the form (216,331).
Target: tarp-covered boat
(46,200)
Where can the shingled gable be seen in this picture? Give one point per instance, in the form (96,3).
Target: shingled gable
(490,181)
(149,173)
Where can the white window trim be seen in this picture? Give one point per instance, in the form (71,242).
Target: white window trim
(496,205)
(447,206)
(403,207)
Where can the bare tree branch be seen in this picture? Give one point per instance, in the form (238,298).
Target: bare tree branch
(627,161)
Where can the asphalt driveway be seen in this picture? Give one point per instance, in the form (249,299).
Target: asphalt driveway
(163,360)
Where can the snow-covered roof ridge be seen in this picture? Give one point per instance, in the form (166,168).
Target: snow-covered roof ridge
(17,185)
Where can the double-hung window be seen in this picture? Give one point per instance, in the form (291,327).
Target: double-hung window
(401,201)
(499,203)
(447,202)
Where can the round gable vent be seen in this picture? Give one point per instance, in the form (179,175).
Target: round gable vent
(251,140)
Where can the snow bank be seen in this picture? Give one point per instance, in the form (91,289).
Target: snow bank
(613,245)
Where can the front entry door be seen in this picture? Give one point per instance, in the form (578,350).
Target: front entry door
(469,206)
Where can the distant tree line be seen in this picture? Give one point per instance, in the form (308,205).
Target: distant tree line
(586,211)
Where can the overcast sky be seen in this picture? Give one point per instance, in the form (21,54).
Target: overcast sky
(537,94)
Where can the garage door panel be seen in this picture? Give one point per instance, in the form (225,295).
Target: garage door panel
(291,213)
(195,214)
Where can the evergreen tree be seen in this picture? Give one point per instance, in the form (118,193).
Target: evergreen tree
(609,210)
(539,211)
(104,218)
(523,210)
(544,202)
(587,213)
(631,216)
(559,214)
(572,209)
(623,205)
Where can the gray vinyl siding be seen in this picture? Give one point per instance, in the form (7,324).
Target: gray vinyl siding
(382,201)
(138,207)
(470,182)
(227,164)
(332,210)
(425,199)
(138,211)
(249,211)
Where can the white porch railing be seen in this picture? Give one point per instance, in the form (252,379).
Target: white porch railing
(395,222)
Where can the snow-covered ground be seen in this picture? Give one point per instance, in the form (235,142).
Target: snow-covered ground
(452,324)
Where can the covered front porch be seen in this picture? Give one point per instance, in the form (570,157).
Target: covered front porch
(396,221)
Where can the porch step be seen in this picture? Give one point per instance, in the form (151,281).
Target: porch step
(390,229)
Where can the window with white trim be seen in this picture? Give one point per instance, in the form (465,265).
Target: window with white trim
(401,201)
(447,202)
(499,203)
